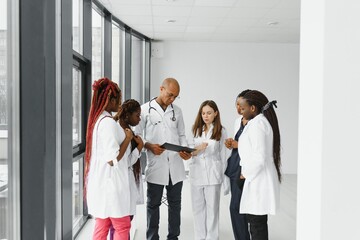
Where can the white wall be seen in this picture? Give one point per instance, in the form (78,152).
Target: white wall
(219,71)
(328,175)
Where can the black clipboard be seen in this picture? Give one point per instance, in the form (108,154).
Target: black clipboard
(177,148)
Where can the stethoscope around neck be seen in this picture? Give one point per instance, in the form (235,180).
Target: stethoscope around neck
(173,118)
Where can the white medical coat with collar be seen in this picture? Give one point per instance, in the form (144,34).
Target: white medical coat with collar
(108,192)
(159,167)
(260,194)
(208,167)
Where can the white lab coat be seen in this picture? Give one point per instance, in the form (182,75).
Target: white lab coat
(208,167)
(206,175)
(136,191)
(159,167)
(108,192)
(260,194)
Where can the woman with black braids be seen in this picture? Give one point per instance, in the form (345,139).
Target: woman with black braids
(106,171)
(129,116)
(259,150)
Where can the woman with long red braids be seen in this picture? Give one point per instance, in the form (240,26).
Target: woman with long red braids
(106,172)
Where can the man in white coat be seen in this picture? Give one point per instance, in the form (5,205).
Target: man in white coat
(162,121)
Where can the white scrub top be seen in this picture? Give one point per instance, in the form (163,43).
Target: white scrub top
(260,194)
(170,130)
(208,167)
(108,193)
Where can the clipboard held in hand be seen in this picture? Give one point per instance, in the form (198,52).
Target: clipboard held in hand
(177,148)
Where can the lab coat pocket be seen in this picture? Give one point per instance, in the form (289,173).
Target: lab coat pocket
(151,161)
(113,186)
(110,190)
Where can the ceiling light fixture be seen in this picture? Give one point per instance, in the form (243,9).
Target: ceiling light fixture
(171,21)
(272,23)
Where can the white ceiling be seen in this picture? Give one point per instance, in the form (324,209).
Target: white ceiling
(211,20)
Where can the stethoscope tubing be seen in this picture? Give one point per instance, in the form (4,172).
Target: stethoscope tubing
(173,118)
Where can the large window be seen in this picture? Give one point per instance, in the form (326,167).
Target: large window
(97,45)
(137,72)
(78,133)
(117,63)
(9,121)
(77,193)
(77,31)
(3,66)
(77,106)
(58,151)
(4,106)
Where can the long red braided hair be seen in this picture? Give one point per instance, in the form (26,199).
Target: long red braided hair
(104,90)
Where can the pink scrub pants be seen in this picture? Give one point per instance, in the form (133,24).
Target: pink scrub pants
(121,226)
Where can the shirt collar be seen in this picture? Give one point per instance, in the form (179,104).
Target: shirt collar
(106,113)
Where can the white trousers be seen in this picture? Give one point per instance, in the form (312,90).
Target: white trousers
(205,204)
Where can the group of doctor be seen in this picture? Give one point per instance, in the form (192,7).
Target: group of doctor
(254,180)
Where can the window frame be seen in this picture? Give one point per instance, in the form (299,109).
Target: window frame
(81,64)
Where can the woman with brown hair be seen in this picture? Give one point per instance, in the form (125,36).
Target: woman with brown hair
(207,170)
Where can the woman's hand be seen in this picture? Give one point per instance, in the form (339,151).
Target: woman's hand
(202,146)
(128,134)
(231,143)
(234,144)
(139,141)
(241,182)
(185,155)
(228,143)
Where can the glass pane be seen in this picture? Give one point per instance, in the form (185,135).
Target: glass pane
(116,46)
(136,68)
(77,32)
(97,38)
(76,115)
(77,202)
(4,106)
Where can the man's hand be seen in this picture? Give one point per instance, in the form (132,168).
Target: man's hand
(154,148)
(185,155)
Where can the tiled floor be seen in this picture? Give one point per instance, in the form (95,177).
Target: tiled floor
(281,226)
